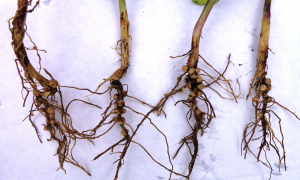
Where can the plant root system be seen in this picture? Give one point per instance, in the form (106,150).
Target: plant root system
(195,84)
(43,90)
(117,107)
(262,102)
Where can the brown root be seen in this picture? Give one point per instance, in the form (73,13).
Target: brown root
(117,107)
(195,84)
(269,139)
(43,91)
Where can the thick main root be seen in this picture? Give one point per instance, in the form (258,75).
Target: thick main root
(44,91)
(117,107)
(195,85)
(269,139)
(194,82)
(262,102)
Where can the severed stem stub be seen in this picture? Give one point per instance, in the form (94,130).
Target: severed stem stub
(262,102)
(43,90)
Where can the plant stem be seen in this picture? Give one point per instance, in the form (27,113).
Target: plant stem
(18,33)
(261,65)
(125,48)
(194,56)
(264,41)
(124,34)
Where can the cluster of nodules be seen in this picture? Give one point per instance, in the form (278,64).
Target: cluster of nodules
(262,89)
(194,82)
(119,110)
(38,101)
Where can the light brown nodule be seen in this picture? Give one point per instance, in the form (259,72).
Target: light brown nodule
(115,119)
(53,83)
(268,81)
(263,87)
(200,86)
(50,110)
(185,68)
(52,122)
(191,70)
(123,132)
(36,92)
(199,79)
(255,99)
